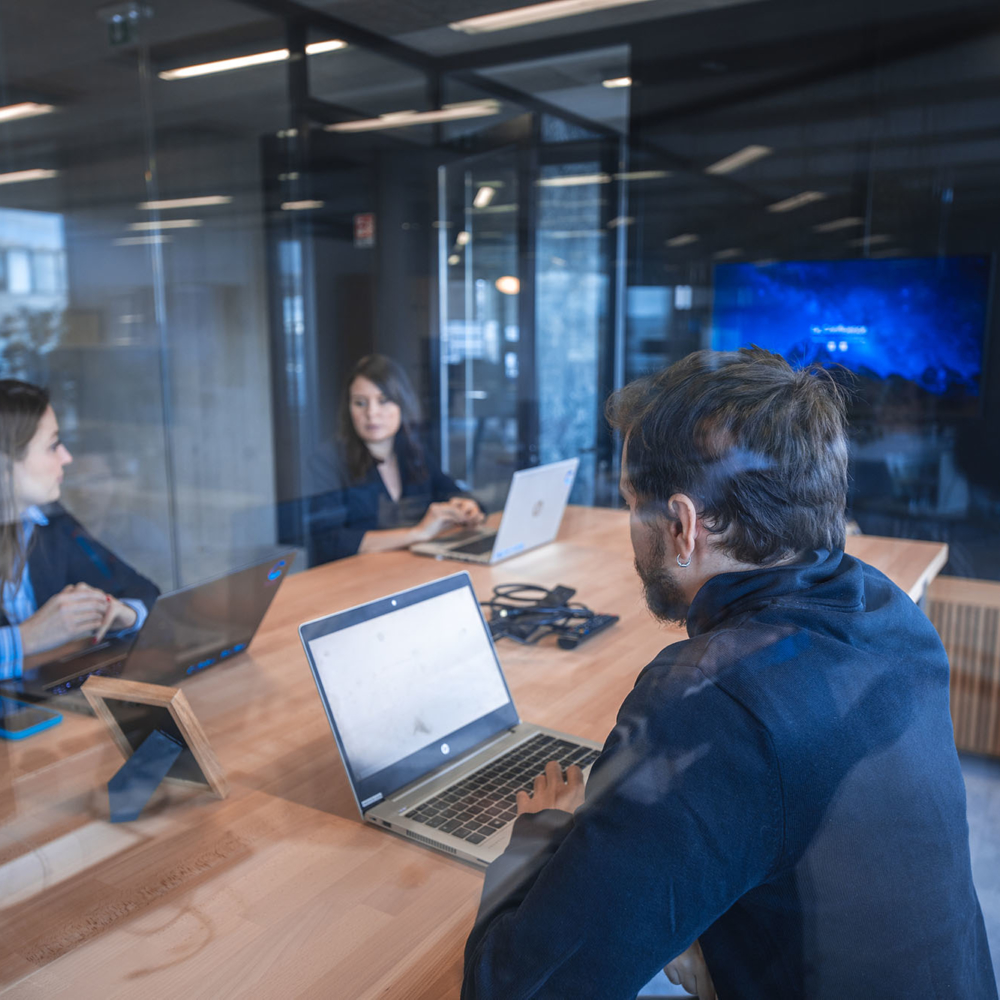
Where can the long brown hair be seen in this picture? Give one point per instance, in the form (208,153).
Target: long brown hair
(391,379)
(22,406)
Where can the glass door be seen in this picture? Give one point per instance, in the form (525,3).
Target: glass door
(481,331)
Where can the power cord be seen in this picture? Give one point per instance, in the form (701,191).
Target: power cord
(526,612)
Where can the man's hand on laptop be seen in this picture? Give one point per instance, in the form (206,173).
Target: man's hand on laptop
(553,790)
(689,970)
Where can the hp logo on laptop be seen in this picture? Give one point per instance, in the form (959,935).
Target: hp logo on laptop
(445,749)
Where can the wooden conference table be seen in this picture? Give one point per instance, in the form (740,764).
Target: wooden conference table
(279,890)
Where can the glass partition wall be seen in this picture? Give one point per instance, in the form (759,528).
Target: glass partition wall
(194,251)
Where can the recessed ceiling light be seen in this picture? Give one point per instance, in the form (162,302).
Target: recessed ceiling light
(573,180)
(133,241)
(300,206)
(318,48)
(741,158)
(870,241)
(484,196)
(166,224)
(463,238)
(847,222)
(615,82)
(533,14)
(683,240)
(26,109)
(728,253)
(200,202)
(642,175)
(508,284)
(243,62)
(400,119)
(19,176)
(796,201)
(621,220)
(454,259)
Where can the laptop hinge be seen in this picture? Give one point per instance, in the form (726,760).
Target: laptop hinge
(441,771)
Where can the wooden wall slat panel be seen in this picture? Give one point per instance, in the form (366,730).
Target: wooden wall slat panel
(966,614)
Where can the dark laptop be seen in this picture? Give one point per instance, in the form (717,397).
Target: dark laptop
(187,631)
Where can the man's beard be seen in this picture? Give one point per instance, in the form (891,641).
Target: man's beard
(664,597)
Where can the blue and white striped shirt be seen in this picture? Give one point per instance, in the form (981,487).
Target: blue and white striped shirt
(19,605)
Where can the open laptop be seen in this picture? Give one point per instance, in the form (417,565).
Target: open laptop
(186,631)
(426,726)
(531,517)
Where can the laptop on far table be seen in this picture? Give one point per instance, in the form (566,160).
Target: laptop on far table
(531,517)
(187,631)
(427,730)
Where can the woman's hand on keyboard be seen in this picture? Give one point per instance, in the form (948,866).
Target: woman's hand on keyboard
(75,612)
(553,790)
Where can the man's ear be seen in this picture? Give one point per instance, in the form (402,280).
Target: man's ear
(684,528)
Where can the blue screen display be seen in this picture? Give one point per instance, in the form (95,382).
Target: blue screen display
(921,319)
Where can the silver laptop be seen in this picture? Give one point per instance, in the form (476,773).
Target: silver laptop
(531,517)
(427,730)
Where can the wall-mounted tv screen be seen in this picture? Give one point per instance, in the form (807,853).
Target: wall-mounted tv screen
(907,320)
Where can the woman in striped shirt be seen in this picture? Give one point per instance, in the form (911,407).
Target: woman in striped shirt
(58,584)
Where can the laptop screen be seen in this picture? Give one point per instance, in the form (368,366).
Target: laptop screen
(409,682)
(192,629)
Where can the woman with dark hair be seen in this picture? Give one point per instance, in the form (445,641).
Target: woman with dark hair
(57,583)
(376,489)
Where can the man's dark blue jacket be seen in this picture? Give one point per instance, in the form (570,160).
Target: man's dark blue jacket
(782,785)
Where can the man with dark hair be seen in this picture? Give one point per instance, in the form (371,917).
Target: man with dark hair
(780,807)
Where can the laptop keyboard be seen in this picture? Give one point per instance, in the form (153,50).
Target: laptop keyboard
(483,802)
(477,548)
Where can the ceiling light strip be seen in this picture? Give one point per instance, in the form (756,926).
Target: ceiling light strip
(244,62)
(166,224)
(535,13)
(796,201)
(20,176)
(200,202)
(402,119)
(741,158)
(26,109)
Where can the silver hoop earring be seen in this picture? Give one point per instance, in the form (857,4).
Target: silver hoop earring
(683,565)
